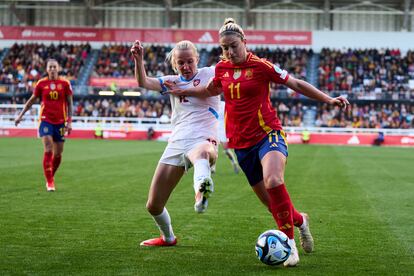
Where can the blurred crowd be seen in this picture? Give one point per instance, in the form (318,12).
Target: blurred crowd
(115,61)
(360,74)
(25,64)
(369,72)
(372,115)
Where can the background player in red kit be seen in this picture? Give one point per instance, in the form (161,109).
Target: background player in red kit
(253,129)
(55,118)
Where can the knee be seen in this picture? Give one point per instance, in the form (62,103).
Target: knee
(153,209)
(273,181)
(200,153)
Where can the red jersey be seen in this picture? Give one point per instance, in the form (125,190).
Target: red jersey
(53,94)
(249,114)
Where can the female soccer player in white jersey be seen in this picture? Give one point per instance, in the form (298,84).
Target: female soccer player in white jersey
(193,140)
(223,139)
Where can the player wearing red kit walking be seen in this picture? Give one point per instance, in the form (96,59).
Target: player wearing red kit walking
(55,118)
(254,130)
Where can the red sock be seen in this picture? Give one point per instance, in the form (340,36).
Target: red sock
(281,208)
(56,162)
(48,166)
(297,217)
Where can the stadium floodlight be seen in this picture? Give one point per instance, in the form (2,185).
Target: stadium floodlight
(131,93)
(106,93)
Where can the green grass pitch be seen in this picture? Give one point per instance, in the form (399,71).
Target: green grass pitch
(360,200)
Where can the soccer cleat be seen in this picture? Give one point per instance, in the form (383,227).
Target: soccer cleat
(158,242)
(293,259)
(235,167)
(201,203)
(205,189)
(50,187)
(305,236)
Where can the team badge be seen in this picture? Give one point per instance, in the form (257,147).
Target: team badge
(52,86)
(45,129)
(237,73)
(59,86)
(249,73)
(196,82)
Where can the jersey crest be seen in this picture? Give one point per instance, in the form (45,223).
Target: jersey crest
(237,73)
(249,74)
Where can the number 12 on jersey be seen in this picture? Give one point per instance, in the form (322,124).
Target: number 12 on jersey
(233,87)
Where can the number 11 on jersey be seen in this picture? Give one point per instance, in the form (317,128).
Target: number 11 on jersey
(233,87)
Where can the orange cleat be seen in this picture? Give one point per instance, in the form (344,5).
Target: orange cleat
(158,242)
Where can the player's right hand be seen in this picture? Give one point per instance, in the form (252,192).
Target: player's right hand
(17,120)
(173,88)
(137,50)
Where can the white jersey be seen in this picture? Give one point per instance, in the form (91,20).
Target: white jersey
(193,117)
(222,126)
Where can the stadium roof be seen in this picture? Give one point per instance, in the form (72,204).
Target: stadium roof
(394,4)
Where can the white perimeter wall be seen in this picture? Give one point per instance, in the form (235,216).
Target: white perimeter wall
(340,40)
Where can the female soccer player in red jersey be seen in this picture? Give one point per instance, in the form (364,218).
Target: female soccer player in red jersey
(193,140)
(55,118)
(254,130)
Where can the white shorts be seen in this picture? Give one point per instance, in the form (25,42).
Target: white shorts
(222,132)
(176,152)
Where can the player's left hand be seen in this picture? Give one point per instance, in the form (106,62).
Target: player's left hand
(68,127)
(340,101)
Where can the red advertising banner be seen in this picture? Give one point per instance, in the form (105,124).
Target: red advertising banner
(107,82)
(148,35)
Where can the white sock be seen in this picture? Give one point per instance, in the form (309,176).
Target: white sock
(201,171)
(163,222)
(303,226)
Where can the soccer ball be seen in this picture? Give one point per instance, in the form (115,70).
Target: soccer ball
(272,247)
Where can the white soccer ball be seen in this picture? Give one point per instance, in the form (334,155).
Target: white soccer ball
(272,247)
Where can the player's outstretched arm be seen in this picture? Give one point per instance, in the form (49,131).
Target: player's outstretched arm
(27,106)
(143,80)
(310,91)
(199,91)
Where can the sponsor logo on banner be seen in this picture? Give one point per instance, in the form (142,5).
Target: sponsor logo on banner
(79,34)
(353,140)
(407,140)
(290,38)
(255,37)
(4,132)
(1,35)
(237,73)
(35,34)
(206,37)
(196,82)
